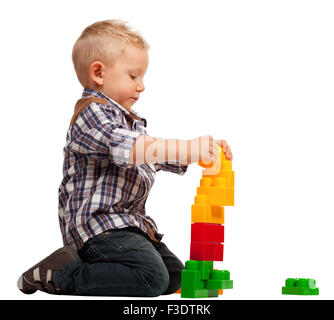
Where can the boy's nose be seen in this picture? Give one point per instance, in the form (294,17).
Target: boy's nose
(141,87)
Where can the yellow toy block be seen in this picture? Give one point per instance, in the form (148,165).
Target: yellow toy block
(218,182)
(201,211)
(218,194)
(229,176)
(217,215)
(226,165)
(217,168)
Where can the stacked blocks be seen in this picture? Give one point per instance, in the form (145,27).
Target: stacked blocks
(299,286)
(200,280)
(206,241)
(216,190)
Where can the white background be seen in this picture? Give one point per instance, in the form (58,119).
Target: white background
(259,74)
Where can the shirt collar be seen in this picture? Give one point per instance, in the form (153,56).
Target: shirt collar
(90,92)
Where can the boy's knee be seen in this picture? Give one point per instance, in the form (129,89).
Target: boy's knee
(157,281)
(175,279)
(160,282)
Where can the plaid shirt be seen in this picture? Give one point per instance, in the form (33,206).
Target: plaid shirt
(100,190)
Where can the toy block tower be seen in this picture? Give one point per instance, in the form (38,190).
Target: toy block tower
(216,190)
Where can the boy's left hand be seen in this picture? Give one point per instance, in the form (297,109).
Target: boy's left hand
(226,149)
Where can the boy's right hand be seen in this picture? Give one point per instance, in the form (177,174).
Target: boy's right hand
(203,149)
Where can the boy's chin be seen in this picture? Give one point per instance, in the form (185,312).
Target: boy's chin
(128,105)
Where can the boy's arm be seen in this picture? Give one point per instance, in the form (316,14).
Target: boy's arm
(177,157)
(148,149)
(152,150)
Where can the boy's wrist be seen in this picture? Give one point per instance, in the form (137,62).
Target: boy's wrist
(189,155)
(152,150)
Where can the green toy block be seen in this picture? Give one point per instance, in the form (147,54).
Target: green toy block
(227,284)
(300,286)
(205,267)
(203,293)
(219,284)
(199,280)
(213,284)
(191,265)
(220,275)
(300,291)
(198,265)
(226,275)
(220,279)
(191,279)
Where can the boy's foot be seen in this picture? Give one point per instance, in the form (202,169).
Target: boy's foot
(42,275)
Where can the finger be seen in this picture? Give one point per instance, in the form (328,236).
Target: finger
(215,151)
(210,148)
(215,147)
(226,147)
(230,155)
(223,142)
(227,152)
(223,145)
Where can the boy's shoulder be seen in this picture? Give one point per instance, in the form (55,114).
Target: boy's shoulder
(118,112)
(96,106)
(91,107)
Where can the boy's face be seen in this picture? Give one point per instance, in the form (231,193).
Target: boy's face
(123,80)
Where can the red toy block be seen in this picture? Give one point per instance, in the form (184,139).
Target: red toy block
(206,251)
(207,232)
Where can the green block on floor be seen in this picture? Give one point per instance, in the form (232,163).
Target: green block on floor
(300,286)
(301,291)
(203,293)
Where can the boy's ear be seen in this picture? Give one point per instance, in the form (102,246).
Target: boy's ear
(96,72)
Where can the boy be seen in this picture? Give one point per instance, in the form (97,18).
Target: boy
(112,248)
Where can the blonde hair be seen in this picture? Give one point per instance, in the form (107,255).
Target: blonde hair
(103,41)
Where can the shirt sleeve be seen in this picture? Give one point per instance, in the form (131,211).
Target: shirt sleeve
(99,134)
(171,166)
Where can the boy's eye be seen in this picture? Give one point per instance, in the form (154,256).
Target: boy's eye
(132,76)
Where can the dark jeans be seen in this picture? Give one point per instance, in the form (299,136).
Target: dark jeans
(122,262)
